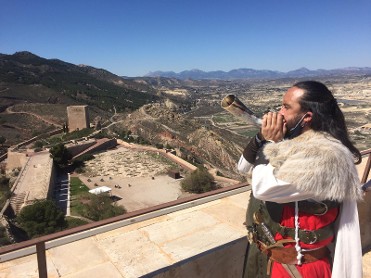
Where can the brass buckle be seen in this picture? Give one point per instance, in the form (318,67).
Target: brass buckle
(252,235)
(325,208)
(310,236)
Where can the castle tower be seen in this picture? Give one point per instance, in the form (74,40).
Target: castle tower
(78,117)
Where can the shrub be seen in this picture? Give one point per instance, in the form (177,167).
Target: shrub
(80,170)
(98,207)
(4,240)
(41,218)
(198,181)
(38,144)
(78,134)
(4,190)
(60,155)
(2,140)
(75,222)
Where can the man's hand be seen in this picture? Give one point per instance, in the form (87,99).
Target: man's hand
(273,127)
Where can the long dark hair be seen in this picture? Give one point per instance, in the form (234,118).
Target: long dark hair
(327,115)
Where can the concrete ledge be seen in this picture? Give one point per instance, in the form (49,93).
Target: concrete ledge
(223,261)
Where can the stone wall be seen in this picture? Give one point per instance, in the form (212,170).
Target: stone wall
(79,147)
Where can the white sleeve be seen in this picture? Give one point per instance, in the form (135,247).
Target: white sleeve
(266,187)
(243,166)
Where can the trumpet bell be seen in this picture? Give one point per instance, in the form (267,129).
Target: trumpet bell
(234,106)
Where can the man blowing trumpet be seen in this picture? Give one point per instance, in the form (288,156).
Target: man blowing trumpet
(302,219)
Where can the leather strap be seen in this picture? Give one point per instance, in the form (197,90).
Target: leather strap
(292,270)
(306,236)
(314,207)
(287,255)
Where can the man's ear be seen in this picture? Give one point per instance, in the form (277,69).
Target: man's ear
(308,117)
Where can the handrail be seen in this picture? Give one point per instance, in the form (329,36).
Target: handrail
(128,218)
(97,224)
(366,171)
(39,242)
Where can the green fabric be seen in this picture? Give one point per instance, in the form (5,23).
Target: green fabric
(305,236)
(255,262)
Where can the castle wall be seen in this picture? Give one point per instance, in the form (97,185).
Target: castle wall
(100,145)
(79,147)
(104,145)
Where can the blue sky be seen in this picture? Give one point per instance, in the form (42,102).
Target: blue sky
(134,37)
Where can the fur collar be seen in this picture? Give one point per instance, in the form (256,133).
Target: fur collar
(318,163)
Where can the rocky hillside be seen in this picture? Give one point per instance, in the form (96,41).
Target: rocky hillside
(34,94)
(80,84)
(194,141)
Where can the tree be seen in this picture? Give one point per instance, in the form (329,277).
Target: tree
(100,207)
(38,144)
(198,181)
(60,155)
(4,239)
(4,190)
(2,140)
(41,218)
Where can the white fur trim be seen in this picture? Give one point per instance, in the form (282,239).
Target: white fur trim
(316,162)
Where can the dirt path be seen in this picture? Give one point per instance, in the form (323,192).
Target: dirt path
(9,111)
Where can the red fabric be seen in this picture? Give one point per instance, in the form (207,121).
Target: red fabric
(320,268)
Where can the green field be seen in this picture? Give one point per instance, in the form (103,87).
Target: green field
(77,189)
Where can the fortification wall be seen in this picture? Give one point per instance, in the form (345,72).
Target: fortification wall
(79,147)
(100,145)
(104,145)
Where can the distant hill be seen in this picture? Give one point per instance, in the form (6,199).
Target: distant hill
(34,94)
(82,84)
(246,73)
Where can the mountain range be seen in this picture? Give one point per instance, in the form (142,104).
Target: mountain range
(247,73)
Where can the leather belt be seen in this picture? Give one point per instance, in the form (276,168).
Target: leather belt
(306,236)
(288,255)
(315,207)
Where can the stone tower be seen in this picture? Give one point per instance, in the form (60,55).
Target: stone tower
(78,117)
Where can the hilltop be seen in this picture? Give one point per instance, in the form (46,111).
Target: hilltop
(31,85)
(62,82)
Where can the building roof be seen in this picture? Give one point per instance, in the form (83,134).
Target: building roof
(100,189)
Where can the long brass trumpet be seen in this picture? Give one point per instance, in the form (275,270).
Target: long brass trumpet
(234,106)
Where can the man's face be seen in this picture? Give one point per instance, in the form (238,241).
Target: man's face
(290,109)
